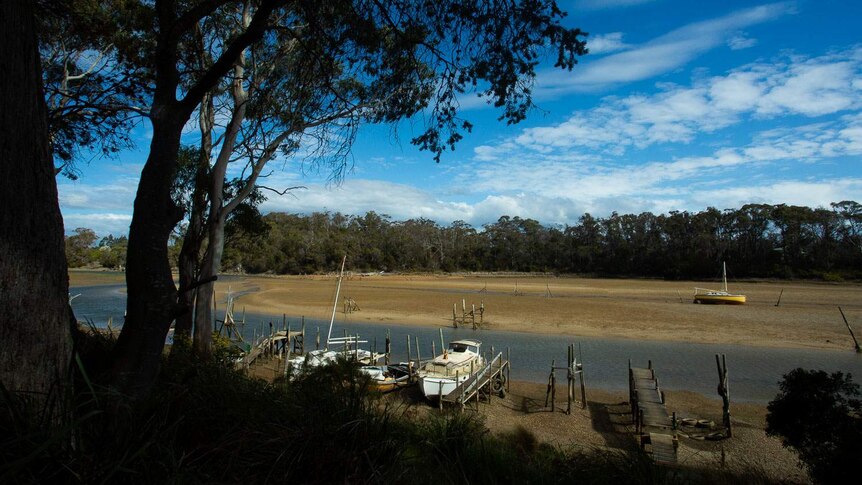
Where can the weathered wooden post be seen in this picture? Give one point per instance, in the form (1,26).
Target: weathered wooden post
(442,343)
(463,310)
(271,341)
(409,360)
(302,342)
(583,386)
(473,315)
(286,341)
(317,339)
(440,393)
(508,367)
(855,342)
(550,393)
(455,315)
(481,311)
(388,346)
(433,349)
(724,392)
(418,353)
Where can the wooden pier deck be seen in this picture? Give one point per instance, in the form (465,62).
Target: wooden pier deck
(269,344)
(654,425)
(492,375)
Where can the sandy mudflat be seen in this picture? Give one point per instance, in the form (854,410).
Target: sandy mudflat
(808,316)
(640,309)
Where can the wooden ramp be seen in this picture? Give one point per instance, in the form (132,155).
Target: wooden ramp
(484,377)
(653,423)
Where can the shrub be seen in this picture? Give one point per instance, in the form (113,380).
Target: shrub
(818,415)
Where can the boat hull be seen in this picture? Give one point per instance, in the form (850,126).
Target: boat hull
(435,387)
(720,299)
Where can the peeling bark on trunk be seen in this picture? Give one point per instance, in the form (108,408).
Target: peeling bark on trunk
(36,321)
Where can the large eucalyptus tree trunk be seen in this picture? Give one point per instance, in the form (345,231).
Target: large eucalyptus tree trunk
(152,295)
(35,318)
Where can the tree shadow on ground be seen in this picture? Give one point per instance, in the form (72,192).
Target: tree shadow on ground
(613,423)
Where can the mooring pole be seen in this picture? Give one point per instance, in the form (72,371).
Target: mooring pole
(855,342)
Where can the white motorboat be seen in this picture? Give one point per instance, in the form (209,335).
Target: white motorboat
(441,376)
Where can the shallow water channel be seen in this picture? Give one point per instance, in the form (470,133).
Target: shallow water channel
(753,372)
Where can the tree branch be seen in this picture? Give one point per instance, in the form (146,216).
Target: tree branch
(282,192)
(229,56)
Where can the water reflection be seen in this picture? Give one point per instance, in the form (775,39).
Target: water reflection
(754,372)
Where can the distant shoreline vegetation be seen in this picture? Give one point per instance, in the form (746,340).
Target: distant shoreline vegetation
(757,240)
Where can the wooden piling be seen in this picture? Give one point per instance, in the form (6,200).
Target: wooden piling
(388,346)
(409,360)
(508,368)
(724,392)
(855,342)
(551,385)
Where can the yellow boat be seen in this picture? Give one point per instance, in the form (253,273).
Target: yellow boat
(718,297)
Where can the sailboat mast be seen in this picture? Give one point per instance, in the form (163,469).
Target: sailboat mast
(335,303)
(724,276)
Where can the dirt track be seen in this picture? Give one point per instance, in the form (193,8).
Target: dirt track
(626,308)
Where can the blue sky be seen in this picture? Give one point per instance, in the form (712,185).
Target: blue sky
(679,106)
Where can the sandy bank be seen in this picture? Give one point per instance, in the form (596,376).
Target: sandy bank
(807,317)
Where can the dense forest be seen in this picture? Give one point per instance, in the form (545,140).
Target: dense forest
(756,240)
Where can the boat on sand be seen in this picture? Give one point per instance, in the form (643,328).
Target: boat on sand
(441,376)
(386,378)
(718,297)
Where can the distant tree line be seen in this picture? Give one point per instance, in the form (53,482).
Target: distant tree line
(757,240)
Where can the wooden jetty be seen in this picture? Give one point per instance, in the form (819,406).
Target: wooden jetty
(492,378)
(653,424)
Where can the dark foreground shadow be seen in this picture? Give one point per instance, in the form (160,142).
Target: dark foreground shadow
(612,422)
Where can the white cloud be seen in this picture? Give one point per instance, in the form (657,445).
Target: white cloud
(605,43)
(86,195)
(357,196)
(102,223)
(739,42)
(659,55)
(678,114)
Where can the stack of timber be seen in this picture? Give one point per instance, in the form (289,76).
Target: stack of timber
(654,426)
